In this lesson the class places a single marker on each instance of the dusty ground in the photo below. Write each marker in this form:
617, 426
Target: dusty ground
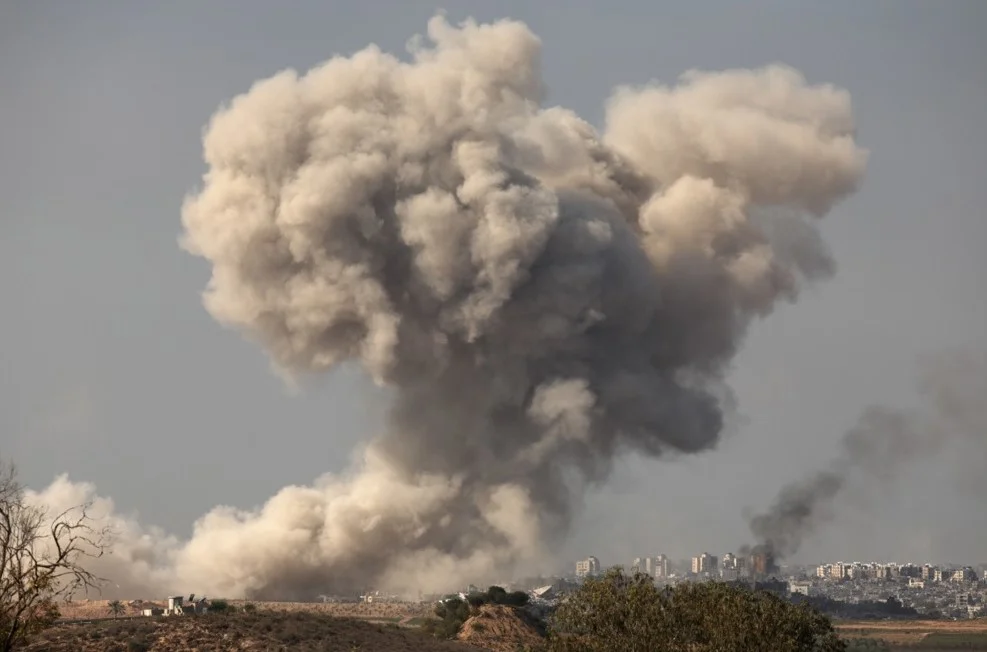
263, 631
909, 632
392, 611
375, 610
501, 629
978, 625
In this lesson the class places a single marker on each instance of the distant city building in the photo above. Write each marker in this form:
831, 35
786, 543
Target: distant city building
588, 567
704, 563
729, 561
661, 567
805, 588
762, 563
910, 570
963, 575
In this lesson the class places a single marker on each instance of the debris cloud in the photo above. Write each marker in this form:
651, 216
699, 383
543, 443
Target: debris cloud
540, 296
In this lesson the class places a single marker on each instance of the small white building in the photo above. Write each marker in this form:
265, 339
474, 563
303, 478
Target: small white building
805, 588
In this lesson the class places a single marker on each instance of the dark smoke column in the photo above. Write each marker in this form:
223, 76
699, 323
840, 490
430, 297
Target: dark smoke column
540, 297
953, 386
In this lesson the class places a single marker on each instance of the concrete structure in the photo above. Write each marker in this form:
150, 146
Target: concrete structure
963, 575
805, 588
661, 567
177, 606
762, 563
588, 567
704, 563
543, 593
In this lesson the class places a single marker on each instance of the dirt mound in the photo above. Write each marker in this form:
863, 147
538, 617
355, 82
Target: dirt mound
500, 628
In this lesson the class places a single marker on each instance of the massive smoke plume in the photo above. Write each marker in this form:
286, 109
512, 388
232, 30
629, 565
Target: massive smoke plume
540, 296
883, 443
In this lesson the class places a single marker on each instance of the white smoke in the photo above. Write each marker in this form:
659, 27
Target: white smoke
540, 296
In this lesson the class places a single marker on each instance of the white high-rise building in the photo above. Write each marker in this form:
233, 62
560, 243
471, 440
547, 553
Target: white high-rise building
644, 565
661, 567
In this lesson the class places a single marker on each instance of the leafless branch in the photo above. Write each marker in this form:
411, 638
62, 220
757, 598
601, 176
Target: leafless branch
42, 559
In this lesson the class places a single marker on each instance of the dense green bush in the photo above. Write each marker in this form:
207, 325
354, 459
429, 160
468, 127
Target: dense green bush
623, 613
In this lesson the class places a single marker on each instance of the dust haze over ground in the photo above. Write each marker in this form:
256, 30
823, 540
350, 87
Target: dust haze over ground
540, 297
884, 442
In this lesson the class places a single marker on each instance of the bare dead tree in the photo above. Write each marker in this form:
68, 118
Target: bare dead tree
42, 560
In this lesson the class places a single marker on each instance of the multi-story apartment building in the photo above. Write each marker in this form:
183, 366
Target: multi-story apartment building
588, 567
704, 563
661, 567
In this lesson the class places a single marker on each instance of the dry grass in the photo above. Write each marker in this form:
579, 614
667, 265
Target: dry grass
977, 625
393, 611
256, 632
908, 633
371, 611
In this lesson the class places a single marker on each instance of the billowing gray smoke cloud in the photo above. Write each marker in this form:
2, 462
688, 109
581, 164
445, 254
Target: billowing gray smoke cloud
882, 443
539, 296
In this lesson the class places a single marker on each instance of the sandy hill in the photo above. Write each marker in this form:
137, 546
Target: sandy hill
501, 628
261, 631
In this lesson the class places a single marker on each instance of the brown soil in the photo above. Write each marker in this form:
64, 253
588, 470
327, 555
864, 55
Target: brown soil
501, 628
261, 631
392, 611
976, 625
907, 632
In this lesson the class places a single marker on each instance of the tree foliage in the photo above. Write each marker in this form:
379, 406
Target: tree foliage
629, 613
116, 608
41, 557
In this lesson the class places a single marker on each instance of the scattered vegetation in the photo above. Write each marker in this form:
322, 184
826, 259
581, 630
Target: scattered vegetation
865, 609
237, 630
452, 612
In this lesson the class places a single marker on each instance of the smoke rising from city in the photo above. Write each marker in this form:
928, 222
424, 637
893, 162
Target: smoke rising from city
540, 297
884, 441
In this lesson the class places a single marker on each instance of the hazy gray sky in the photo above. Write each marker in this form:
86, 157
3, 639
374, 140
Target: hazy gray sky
113, 372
